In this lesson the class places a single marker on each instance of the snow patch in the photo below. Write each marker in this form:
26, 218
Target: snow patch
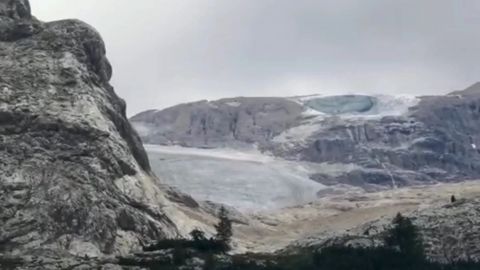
297, 134
219, 153
234, 104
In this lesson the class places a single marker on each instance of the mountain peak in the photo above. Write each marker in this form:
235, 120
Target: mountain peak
473, 88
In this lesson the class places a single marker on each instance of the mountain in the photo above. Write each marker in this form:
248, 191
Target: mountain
77, 190
74, 177
368, 141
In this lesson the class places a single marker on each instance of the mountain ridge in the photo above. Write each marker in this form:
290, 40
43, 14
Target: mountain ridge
393, 140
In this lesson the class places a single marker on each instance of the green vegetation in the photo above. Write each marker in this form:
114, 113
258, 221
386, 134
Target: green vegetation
403, 250
405, 239
199, 244
198, 241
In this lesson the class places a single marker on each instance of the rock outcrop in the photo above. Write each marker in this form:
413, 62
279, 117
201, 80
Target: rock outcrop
450, 232
435, 141
74, 177
226, 122
385, 141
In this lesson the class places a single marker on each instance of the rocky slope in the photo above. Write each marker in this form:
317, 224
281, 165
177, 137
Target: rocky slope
74, 177
378, 141
449, 232
226, 122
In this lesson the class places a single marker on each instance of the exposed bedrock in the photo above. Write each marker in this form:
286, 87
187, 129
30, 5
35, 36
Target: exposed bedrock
436, 140
226, 122
74, 176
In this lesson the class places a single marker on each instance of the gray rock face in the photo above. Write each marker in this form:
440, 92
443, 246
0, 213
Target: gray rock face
391, 141
235, 121
74, 176
162, 259
435, 141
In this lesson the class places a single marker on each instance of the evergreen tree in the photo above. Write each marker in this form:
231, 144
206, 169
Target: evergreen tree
224, 227
404, 236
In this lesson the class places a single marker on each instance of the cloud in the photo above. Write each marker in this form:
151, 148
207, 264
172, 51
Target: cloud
167, 52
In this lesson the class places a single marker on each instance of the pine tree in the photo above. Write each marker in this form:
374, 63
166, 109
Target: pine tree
224, 227
405, 237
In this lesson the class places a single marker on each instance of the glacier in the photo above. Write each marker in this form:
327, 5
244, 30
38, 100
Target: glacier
347, 109
357, 105
211, 149
342, 104
244, 179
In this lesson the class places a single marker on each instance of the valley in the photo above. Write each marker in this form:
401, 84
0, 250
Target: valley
216, 184
278, 204
311, 170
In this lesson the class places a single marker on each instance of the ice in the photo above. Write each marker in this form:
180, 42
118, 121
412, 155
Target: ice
358, 105
249, 181
394, 105
346, 108
342, 104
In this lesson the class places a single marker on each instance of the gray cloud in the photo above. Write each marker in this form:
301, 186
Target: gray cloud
167, 52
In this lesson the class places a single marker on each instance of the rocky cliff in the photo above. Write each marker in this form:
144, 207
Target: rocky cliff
379, 141
74, 177
226, 122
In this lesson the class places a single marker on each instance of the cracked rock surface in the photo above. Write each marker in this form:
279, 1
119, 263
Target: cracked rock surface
74, 176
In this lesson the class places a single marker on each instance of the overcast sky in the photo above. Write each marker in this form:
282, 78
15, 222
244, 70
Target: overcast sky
168, 52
